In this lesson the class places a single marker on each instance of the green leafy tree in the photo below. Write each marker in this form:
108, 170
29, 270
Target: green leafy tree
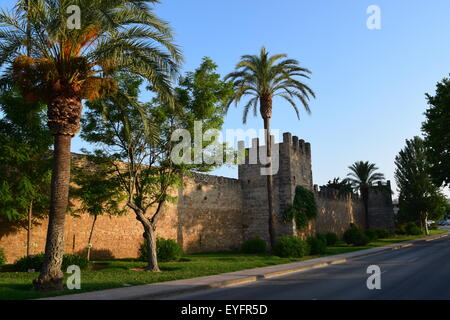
343, 187
139, 153
362, 176
128, 145
24, 162
200, 95
436, 129
264, 77
98, 195
64, 66
419, 198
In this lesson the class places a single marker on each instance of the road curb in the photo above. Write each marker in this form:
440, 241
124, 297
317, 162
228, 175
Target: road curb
438, 237
235, 278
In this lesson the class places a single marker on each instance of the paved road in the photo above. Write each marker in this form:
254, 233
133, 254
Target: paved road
418, 272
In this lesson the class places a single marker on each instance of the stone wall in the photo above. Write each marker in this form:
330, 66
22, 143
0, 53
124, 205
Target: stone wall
217, 214
335, 214
207, 218
113, 237
210, 214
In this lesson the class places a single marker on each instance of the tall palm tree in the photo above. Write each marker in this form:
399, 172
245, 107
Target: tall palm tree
263, 78
362, 176
60, 66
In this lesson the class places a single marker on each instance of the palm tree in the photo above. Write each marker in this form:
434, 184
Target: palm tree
60, 66
362, 176
343, 187
263, 78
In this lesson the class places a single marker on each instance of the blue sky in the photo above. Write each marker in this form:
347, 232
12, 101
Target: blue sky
370, 84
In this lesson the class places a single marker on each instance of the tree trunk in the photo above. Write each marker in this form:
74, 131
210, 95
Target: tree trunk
266, 113
88, 256
149, 236
152, 258
51, 277
30, 213
425, 220
30, 210
272, 234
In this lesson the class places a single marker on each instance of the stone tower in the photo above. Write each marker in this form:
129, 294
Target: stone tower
292, 159
294, 168
381, 208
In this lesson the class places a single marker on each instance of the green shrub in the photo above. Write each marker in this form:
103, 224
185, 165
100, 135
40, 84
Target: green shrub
35, 262
350, 234
409, 228
256, 245
382, 233
331, 238
355, 236
433, 226
2, 257
371, 234
400, 229
361, 240
71, 259
29, 262
322, 238
317, 245
290, 247
413, 229
166, 250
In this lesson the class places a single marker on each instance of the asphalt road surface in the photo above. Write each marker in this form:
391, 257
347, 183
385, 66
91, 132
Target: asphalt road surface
418, 272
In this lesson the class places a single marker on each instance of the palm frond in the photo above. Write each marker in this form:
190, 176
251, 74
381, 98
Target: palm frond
266, 76
116, 35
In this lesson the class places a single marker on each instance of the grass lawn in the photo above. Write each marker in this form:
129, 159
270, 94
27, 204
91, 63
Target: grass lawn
118, 273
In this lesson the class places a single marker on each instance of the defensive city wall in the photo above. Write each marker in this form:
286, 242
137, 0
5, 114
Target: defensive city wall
217, 214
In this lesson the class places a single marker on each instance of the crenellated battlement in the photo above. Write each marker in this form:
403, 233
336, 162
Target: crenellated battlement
382, 187
325, 192
291, 145
298, 145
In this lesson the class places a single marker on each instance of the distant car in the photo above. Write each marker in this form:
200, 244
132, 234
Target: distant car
442, 223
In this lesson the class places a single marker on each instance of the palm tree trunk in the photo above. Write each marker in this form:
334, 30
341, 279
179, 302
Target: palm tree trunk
265, 103
270, 183
51, 277
365, 198
30, 213
88, 256
28, 55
